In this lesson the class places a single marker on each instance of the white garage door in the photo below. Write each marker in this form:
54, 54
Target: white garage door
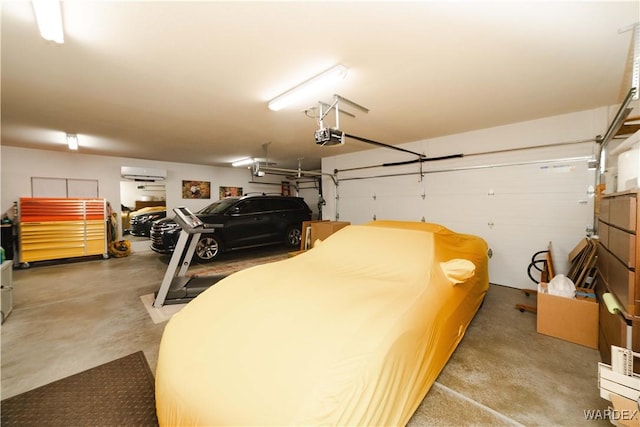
517, 208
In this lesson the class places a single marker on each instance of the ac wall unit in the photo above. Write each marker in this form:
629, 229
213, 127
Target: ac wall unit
143, 174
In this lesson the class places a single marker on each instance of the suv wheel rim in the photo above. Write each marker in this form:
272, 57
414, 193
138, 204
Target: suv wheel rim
207, 248
294, 236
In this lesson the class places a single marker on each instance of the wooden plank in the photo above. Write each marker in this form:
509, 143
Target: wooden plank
551, 270
628, 129
591, 262
579, 263
582, 245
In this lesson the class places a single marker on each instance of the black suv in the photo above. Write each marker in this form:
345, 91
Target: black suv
140, 223
247, 221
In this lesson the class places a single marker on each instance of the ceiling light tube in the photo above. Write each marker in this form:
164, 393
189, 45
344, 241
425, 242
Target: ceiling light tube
242, 162
49, 18
324, 79
72, 141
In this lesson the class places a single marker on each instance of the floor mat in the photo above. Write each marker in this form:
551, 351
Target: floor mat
120, 392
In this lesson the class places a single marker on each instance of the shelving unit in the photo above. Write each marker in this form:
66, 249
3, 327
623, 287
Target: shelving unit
618, 258
56, 228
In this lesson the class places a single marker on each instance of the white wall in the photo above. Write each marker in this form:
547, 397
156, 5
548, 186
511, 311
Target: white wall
527, 199
20, 164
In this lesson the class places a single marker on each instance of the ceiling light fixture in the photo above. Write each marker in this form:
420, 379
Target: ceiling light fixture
324, 79
49, 18
72, 141
242, 162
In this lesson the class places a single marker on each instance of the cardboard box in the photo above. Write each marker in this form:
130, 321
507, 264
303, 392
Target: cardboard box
318, 229
570, 319
324, 229
625, 406
306, 242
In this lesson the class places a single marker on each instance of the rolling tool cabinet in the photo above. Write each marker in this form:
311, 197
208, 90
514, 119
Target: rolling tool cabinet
55, 228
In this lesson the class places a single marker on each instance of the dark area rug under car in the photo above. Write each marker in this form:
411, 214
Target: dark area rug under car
118, 393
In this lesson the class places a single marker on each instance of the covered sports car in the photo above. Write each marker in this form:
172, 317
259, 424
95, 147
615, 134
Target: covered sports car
352, 332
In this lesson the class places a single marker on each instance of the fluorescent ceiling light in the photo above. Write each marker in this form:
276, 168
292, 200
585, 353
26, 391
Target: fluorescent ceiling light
49, 18
72, 141
314, 84
242, 162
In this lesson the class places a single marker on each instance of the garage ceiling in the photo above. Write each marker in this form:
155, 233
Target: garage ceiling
190, 81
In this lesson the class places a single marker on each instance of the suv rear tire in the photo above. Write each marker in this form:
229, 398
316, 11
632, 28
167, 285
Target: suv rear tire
208, 248
293, 236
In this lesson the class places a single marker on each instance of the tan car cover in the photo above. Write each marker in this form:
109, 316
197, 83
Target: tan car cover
352, 332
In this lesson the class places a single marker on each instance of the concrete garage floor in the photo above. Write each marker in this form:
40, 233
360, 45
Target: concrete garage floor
70, 317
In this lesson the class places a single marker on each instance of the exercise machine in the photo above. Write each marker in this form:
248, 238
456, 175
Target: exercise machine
176, 286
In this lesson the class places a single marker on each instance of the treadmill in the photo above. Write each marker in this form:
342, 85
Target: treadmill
176, 287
